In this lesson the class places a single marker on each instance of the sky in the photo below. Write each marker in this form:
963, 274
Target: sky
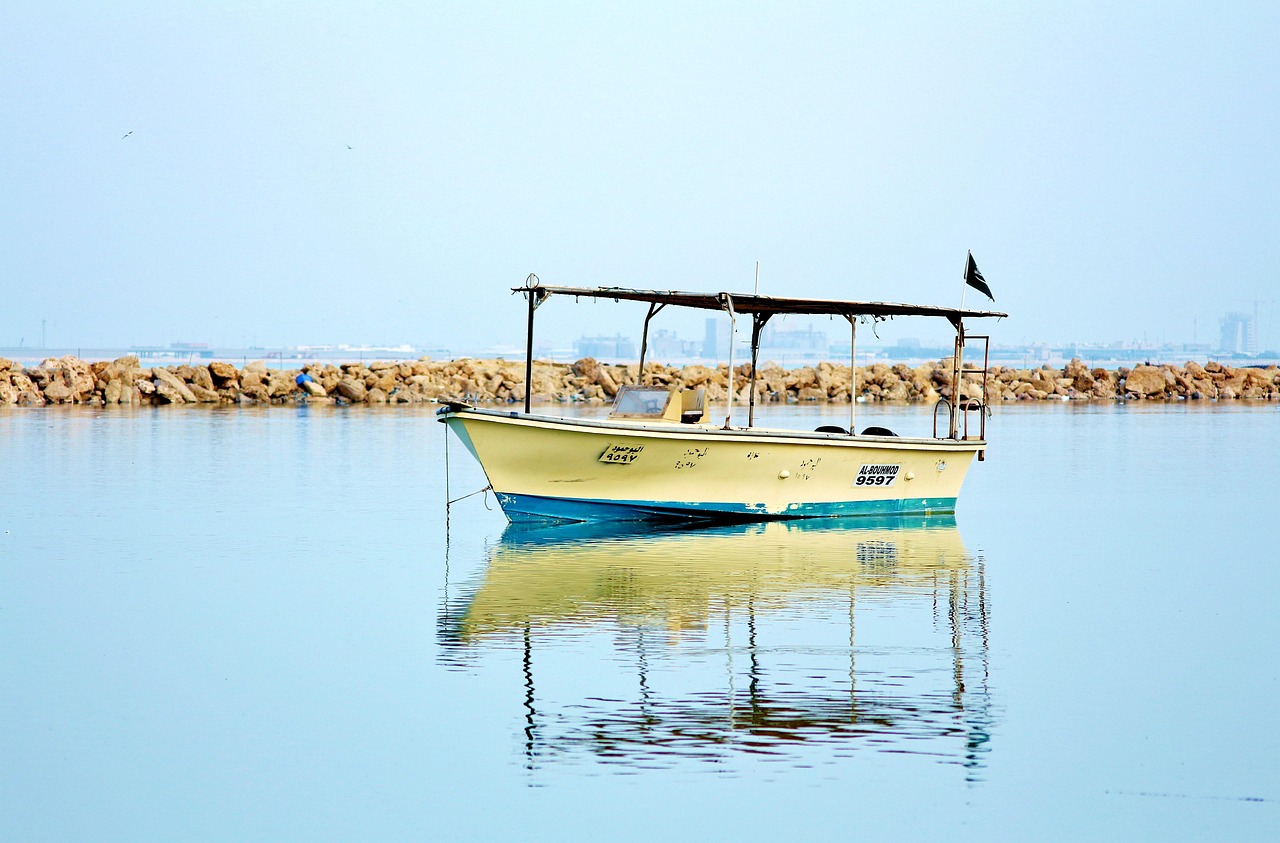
272, 173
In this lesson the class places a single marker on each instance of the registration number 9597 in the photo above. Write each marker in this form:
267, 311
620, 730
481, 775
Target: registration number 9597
877, 475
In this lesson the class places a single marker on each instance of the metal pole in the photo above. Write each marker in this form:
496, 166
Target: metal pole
757, 322
853, 371
644, 340
733, 318
955, 378
528, 355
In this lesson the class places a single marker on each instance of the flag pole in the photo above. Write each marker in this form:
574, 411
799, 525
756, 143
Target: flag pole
957, 360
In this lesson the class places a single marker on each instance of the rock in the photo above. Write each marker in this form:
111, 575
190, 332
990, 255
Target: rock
353, 390
57, 393
200, 376
259, 366
896, 391
113, 391
204, 394
1146, 380
607, 383
223, 373
257, 392
375, 396
691, 376
281, 384
170, 394
162, 375
587, 368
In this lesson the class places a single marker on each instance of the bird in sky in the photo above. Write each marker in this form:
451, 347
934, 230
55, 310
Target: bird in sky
126, 134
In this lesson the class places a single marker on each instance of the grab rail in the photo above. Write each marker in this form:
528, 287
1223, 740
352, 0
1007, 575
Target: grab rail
964, 406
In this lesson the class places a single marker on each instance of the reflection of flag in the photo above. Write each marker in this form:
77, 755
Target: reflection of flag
974, 278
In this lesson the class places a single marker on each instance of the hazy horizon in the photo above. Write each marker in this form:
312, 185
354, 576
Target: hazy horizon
245, 175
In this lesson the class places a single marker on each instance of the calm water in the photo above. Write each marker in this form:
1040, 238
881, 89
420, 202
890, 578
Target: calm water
254, 625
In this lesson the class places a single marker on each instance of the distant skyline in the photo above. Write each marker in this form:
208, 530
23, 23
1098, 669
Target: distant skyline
267, 174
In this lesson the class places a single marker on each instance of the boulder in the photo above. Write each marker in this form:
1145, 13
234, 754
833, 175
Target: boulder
200, 377
256, 391
1146, 380
607, 383
223, 373
162, 375
280, 384
57, 393
353, 390
204, 394
691, 376
170, 394
587, 368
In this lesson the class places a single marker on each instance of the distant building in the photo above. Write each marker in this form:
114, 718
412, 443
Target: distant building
1239, 334
711, 339
606, 348
803, 343
665, 346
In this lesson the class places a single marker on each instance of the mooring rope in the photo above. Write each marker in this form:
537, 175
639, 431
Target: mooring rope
472, 494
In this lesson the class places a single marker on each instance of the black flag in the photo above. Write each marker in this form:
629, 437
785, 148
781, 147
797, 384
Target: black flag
974, 278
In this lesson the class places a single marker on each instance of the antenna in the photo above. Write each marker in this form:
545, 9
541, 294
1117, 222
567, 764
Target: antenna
757, 278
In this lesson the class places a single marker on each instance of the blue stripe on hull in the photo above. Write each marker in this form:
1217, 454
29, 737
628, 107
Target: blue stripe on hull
526, 508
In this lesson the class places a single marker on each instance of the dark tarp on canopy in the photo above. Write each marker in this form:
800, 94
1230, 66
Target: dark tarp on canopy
763, 305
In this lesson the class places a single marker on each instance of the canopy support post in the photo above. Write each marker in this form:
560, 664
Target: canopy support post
536, 297
654, 307
757, 323
853, 370
957, 372
733, 318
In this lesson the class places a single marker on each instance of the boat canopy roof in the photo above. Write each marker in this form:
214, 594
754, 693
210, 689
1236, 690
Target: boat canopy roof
763, 305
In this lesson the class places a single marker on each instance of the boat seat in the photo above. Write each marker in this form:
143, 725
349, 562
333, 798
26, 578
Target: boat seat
693, 406
830, 428
878, 431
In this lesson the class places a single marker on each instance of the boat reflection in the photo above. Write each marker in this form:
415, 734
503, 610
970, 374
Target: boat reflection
658, 646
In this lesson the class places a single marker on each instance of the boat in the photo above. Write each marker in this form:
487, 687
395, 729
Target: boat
663, 454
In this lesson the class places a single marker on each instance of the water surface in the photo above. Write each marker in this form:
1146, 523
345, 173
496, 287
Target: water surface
254, 624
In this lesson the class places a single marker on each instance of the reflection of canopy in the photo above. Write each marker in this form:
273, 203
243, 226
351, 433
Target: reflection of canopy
580, 573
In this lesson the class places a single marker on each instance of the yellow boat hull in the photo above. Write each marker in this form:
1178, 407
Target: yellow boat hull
546, 468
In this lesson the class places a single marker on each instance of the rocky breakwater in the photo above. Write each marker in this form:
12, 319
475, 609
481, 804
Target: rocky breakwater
69, 380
